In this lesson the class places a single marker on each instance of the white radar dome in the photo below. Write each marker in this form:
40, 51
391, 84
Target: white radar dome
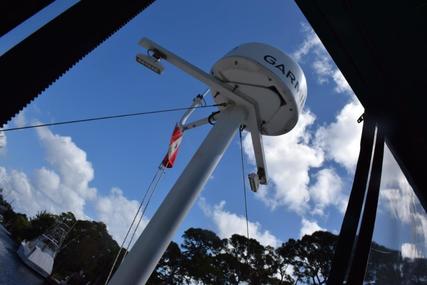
273, 81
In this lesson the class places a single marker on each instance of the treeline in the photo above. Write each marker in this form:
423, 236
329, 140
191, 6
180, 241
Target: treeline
202, 257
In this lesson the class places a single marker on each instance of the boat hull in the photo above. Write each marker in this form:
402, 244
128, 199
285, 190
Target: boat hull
36, 259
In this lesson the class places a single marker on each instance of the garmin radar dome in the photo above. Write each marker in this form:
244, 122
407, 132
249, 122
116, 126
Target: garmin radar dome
270, 78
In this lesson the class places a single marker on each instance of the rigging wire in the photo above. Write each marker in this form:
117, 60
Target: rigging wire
243, 180
110, 117
143, 212
133, 222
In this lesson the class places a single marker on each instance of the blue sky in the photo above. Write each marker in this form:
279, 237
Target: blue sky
99, 170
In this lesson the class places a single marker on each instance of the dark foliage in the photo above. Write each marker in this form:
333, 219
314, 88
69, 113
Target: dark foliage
88, 253
206, 259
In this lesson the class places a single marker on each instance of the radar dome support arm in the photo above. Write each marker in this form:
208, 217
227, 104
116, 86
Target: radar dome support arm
211, 119
254, 121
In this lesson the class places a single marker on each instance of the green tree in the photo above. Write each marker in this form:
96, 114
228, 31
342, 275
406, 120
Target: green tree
89, 249
384, 266
259, 262
313, 257
88, 253
414, 271
19, 226
285, 260
230, 266
40, 224
200, 250
237, 248
169, 269
251, 261
67, 218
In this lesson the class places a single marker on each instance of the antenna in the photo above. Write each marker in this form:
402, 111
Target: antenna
255, 85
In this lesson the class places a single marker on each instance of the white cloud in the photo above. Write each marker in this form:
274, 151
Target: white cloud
18, 190
322, 63
310, 43
341, 83
117, 212
70, 161
399, 199
289, 158
3, 142
19, 121
293, 157
341, 139
229, 223
300, 182
410, 250
393, 178
327, 191
309, 227
64, 185
399, 203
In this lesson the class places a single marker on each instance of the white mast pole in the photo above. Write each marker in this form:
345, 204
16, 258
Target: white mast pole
148, 249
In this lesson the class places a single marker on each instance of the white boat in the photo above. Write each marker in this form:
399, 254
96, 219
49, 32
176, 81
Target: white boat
39, 254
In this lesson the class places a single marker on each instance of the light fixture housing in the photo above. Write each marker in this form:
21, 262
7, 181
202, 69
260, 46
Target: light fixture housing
150, 62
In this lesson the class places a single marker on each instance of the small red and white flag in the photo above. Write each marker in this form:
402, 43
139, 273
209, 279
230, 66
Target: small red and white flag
175, 141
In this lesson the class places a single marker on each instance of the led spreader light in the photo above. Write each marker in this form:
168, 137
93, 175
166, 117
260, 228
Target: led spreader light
150, 62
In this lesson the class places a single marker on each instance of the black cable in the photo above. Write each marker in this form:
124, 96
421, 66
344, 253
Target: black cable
244, 182
108, 117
